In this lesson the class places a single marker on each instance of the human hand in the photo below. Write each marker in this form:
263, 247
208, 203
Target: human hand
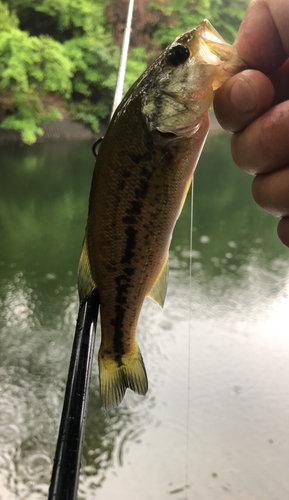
254, 105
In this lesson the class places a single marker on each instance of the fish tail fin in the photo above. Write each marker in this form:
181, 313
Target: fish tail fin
119, 373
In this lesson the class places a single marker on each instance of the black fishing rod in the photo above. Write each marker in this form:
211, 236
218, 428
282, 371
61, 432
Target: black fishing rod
67, 461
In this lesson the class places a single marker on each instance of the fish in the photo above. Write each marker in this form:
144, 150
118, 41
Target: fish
142, 174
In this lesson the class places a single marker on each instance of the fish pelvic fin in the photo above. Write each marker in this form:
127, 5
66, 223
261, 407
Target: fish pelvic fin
121, 373
85, 280
159, 289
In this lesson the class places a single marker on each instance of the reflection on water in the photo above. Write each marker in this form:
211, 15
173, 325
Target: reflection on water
214, 422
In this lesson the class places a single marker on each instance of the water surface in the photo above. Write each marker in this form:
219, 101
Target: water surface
214, 423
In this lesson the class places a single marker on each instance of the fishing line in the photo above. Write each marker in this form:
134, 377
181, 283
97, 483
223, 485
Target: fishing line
123, 59
189, 340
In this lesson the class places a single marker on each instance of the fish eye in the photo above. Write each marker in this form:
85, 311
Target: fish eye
178, 54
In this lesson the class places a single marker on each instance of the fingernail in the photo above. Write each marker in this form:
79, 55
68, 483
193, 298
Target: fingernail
243, 96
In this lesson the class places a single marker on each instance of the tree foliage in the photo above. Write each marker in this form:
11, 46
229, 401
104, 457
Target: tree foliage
31, 68
62, 56
225, 15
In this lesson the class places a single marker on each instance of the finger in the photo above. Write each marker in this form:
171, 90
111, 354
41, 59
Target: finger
280, 80
262, 40
271, 190
283, 230
263, 145
242, 99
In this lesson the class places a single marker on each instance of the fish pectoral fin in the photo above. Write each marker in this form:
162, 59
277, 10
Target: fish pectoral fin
159, 289
85, 281
118, 374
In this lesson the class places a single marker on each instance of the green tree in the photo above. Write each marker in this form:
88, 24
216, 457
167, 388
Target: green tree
81, 27
31, 69
64, 54
225, 15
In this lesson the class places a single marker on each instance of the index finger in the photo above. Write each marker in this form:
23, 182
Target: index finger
263, 40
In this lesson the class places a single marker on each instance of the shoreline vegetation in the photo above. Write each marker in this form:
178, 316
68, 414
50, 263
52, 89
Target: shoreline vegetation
59, 60
70, 130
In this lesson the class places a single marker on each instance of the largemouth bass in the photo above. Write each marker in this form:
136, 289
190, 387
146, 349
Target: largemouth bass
142, 174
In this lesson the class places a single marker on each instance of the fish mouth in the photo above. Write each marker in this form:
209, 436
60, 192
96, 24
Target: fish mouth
170, 132
212, 48
162, 139
166, 135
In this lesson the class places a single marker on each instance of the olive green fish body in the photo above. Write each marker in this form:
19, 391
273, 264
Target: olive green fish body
144, 168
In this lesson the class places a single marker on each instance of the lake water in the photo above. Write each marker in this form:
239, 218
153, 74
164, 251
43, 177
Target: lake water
214, 424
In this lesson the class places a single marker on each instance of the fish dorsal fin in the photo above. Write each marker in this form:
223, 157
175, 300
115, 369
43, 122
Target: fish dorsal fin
85, 281
159, 289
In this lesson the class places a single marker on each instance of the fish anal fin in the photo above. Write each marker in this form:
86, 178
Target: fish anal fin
85, 281
159, 289
117, 375
186, 192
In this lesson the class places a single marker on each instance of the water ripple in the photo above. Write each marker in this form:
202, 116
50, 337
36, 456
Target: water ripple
29, 419
9, 434
8, 411
36, 467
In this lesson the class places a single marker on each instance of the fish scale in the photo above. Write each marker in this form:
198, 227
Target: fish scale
142, 174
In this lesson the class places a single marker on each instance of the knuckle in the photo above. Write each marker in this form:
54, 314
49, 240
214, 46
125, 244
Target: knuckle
273, 137
268, 137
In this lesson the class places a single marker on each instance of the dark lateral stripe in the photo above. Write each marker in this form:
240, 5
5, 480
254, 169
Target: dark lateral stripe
117, 323
129, 271
129, 219
123, 282
130, 244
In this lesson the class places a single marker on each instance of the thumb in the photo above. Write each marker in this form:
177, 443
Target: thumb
243, 98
